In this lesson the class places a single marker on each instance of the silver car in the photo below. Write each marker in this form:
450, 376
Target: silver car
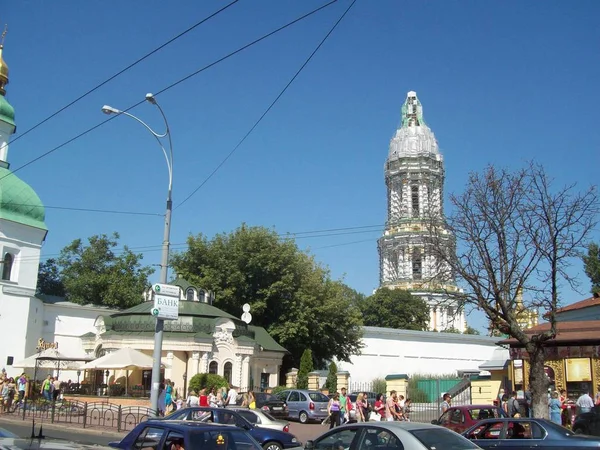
305, 405
390, 436
263, 419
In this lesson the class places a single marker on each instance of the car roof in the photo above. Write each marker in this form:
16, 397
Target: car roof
183, 424
403, 425
309, 391
512, 419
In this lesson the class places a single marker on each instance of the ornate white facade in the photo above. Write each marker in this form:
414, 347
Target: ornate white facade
414, 176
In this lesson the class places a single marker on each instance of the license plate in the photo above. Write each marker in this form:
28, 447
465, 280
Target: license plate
277, 408
323, 409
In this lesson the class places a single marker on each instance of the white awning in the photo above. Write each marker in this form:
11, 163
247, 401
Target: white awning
51, 358
124, 359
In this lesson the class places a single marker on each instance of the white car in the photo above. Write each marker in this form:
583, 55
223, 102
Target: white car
390, 435
263, 419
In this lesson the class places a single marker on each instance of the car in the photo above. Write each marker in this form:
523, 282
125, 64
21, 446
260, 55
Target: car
269, 403
45, 444
525, 434
588, 422
463, 417
262, 419
269, 439
4, 433
390, 436
305, 405
163, 434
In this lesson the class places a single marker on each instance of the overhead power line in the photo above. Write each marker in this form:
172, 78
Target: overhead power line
313, 234
253, 127
245, 47
68, 208
122, 71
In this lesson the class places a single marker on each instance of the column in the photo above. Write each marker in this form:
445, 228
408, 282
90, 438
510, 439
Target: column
203, 365
246, 375
194, 366
290, 378
343, 377
236, 376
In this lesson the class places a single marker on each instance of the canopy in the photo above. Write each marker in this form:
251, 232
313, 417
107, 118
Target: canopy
51, 358
124, 359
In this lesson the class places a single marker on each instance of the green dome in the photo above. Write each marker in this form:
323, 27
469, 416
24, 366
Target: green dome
7, 112
18, 201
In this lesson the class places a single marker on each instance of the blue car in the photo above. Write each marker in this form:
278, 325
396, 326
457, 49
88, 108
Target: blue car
268, 438
162, 434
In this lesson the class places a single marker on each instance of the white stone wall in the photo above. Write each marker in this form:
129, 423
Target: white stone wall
388, 351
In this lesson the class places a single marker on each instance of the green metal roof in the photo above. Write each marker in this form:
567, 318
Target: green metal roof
7, 112
186, 308
265, 340
18, 201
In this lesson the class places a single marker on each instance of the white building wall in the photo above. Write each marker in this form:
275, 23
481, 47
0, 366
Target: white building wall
389, 351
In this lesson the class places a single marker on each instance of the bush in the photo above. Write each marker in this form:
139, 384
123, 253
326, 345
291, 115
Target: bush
331, 382
207, 380
277, 389
379, 386
306, 367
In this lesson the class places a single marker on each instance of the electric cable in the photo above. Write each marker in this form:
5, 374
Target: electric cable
238, 145
89, 130
120, 72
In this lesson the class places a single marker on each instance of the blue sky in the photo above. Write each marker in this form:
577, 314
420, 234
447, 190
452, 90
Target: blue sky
500, 83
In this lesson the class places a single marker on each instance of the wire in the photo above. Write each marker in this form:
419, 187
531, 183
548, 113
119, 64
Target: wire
89, 130
136, 62
342, 244
238, 145
68, 208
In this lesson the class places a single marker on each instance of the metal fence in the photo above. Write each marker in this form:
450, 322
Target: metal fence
426, 396
85, 414
366, 386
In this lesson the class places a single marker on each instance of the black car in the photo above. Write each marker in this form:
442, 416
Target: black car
588, 422
162, 434
268, 403
526, 434
269, 438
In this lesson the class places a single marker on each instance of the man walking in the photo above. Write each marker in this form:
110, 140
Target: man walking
344, 415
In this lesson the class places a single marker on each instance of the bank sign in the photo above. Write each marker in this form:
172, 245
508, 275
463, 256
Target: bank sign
166, 302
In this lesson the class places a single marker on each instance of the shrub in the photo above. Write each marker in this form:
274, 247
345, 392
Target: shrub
379, 386
306, 367
331, 382
277, 389
206, 380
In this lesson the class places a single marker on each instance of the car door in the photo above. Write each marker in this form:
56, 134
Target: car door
456, 421
294, 405
337, 439
149, 438
487, 435
522, 435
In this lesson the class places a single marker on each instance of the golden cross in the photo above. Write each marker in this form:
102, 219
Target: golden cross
4, 34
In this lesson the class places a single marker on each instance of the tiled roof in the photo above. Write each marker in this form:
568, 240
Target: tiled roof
572, 331
592, 301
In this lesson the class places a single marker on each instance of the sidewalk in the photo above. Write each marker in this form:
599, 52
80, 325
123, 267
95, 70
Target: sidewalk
74, 428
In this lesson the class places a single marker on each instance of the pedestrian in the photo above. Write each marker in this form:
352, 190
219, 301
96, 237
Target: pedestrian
446, 400
555, 409
334, 409
585, 402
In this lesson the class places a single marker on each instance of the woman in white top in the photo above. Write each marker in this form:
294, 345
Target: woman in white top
212, 399
192, 399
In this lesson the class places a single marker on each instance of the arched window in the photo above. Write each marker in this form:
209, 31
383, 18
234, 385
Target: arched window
202, 295
213, 367
417, 264
227, 370
415, 200
189, 295
7, 265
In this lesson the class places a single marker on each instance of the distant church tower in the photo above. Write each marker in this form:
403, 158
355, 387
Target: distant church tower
414, 175
22, 232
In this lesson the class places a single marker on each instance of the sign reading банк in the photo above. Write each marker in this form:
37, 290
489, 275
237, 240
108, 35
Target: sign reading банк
166, 302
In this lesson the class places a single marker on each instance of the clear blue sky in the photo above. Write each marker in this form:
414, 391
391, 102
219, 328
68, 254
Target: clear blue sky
500, 82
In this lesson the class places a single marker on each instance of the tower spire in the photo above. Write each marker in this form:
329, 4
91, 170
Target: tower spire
3, 65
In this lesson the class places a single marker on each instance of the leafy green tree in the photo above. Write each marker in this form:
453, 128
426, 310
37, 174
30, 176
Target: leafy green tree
379, 385
471, 330
395, 308
95, 274
306, 367
451, 330
49, 280
291, 295
331, 381
208, 381
591, 263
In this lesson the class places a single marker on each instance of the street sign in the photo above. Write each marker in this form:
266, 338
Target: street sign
166, 302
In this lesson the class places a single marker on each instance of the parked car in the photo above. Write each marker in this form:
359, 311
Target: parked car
390, 436
460, 418
588, 422
46, 444
263, 419
526, 434
270, 439
305, 405
371, 396
4, 433
162, 434
267, 402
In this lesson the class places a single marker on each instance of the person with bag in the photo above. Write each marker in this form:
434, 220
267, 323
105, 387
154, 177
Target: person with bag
334, 409
513, 405
378, 409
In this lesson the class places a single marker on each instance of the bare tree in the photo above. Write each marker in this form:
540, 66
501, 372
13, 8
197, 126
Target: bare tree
515, 232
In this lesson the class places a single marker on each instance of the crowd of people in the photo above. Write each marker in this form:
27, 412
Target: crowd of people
214, 397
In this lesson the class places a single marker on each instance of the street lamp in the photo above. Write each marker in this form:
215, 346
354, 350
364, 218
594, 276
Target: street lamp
164, 263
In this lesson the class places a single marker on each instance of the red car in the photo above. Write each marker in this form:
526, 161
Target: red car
460, 418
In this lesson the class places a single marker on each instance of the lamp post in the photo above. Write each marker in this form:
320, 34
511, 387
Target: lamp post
184, 383
164, 263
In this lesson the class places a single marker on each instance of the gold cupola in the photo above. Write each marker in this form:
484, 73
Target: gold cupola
3, 65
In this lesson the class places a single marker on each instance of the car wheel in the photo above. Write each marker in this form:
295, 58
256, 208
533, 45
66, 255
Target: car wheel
303, 417
272, 446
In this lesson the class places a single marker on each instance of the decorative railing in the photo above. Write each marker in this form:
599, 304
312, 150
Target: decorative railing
86, 414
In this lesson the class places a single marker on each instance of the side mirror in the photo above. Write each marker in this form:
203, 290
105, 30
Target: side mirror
435, 422
309, 445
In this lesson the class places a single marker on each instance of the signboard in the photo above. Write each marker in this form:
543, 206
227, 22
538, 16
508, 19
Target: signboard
578, 369
166, 302
43, 345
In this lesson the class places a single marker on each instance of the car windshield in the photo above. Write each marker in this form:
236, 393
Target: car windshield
558, 428
442, 438
267, 398
318, 397
179, 414
223, 440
